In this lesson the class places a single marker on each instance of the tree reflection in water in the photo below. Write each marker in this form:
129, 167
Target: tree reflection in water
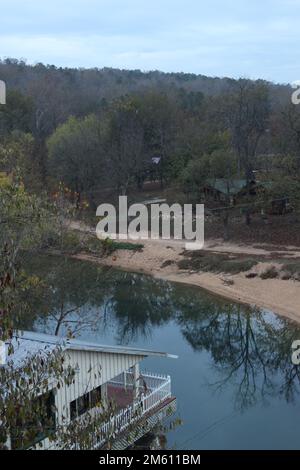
70, 298
250, 349
139, 303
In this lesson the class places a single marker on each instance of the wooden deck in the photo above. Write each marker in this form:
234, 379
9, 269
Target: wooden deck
119, 397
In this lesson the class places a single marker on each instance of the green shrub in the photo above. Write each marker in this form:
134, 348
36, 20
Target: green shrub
127, 246
270, 273
167, 263
251, 275
108, 246
219, 263
292, 269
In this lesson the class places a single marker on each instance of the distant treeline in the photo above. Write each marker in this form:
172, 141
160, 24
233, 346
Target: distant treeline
90, 128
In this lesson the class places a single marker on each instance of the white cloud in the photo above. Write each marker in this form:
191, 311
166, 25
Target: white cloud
219, 37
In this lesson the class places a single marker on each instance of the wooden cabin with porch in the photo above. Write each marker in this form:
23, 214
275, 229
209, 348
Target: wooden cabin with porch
238, 191
220, 189
103, 374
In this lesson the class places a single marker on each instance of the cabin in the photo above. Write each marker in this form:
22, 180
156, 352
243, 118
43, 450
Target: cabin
103, 375
219, 189
280, 206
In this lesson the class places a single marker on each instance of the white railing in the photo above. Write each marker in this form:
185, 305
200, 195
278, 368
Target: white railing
158, 390
145, 382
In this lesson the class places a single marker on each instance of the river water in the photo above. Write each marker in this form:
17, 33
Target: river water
234, 381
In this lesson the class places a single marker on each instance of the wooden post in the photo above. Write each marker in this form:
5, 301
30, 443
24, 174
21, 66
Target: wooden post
136, 382
104, 396
125, 380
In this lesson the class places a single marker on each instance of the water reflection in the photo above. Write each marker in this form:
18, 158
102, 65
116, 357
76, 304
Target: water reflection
249, 350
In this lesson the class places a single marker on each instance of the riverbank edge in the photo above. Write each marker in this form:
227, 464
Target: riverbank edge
215, 284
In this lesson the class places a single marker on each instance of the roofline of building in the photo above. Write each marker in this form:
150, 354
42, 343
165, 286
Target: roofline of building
78, 345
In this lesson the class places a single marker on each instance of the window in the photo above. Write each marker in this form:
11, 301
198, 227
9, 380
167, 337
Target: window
95, 397
79, 406
85, 402
73, 409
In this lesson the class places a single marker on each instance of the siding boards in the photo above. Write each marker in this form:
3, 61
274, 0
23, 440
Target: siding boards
95, 368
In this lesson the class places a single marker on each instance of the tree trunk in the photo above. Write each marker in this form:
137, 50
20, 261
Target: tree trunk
225, 225
248, 217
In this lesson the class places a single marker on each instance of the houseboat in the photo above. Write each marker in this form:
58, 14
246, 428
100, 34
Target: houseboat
102, 375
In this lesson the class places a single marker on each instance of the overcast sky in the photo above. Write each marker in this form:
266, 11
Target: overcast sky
249, 38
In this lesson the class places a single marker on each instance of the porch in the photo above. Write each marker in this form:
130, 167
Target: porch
140, 401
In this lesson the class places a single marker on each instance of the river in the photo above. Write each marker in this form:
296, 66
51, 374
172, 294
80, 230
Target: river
234, 381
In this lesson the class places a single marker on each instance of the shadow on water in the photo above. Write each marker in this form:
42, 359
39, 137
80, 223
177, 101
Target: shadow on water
228, 352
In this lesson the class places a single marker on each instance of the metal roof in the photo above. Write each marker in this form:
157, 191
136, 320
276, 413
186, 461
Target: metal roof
29, 343
225, 186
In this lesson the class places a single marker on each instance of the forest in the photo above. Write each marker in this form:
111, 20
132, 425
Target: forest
115, 121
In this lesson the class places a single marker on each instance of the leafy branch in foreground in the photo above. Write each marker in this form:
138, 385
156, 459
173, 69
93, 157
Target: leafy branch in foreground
24, 415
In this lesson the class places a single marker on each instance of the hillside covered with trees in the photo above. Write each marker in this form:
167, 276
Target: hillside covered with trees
108, 131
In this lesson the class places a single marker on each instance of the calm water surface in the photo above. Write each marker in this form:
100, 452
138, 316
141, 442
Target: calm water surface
235, 385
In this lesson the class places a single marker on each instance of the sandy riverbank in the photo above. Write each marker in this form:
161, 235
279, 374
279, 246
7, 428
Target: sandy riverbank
159, 259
